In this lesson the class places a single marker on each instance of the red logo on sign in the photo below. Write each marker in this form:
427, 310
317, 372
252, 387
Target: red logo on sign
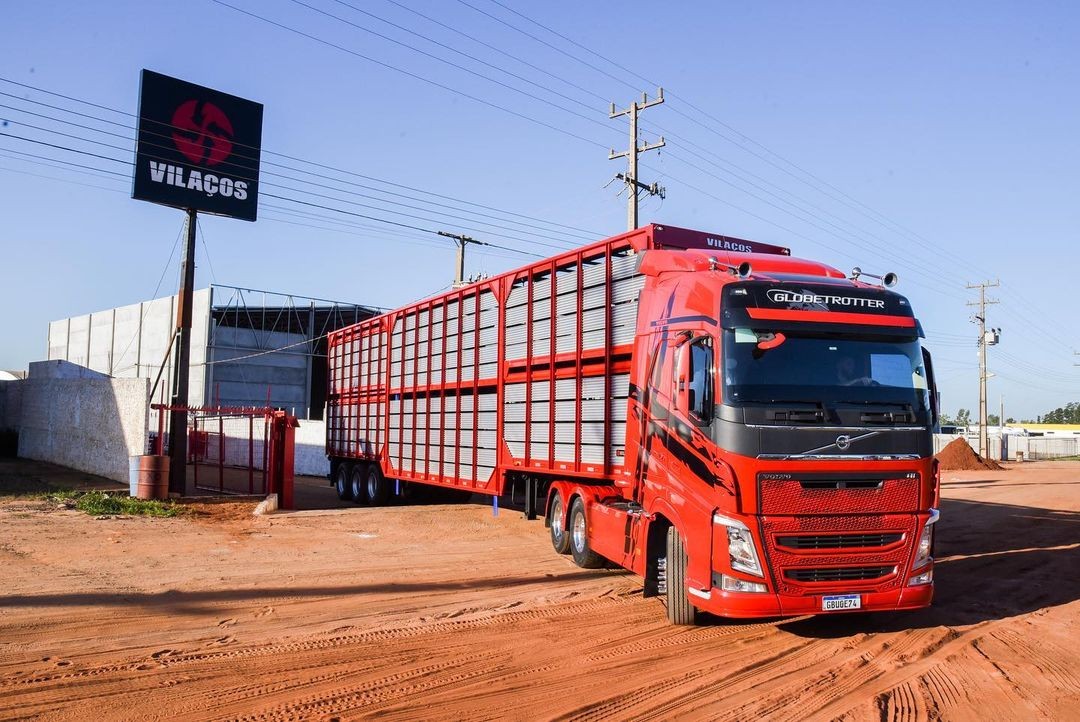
202, 132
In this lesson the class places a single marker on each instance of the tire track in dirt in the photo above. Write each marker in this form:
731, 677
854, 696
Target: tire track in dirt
407, 684
170, 658
46, 686
1046, 666
676, 638
641, 702
837, 677
954, 650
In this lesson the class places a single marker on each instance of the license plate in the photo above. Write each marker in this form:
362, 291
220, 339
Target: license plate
841, 601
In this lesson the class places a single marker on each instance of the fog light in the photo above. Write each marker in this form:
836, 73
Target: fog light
919, 579
731, 584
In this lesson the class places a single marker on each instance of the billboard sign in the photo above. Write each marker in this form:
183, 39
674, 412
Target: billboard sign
198, 148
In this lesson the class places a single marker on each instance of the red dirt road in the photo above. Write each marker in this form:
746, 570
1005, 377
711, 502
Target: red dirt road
444, 612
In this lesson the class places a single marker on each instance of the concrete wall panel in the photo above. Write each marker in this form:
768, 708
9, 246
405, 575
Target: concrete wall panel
92, 425
10, 403
58, 339
78, 340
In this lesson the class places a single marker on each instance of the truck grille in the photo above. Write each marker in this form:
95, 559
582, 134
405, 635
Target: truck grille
838, 541
838, 574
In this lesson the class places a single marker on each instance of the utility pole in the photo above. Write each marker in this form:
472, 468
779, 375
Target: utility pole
631, 177
178, 417
985, 338
461, 241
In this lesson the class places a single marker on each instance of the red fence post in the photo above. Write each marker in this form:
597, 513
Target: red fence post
221, 452
251, 454
195, 465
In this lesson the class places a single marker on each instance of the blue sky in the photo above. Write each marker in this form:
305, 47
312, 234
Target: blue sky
935, 140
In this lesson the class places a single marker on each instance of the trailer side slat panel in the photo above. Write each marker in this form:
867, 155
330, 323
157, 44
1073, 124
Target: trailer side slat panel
440, 391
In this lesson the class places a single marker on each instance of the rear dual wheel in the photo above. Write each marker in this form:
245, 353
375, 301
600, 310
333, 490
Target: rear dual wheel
560, 537
356, 483
583, 554
342, 483
376, 487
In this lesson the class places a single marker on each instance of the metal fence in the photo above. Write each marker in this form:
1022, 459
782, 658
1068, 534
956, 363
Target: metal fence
1012, 447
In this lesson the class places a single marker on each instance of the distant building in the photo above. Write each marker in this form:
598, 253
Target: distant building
248, 348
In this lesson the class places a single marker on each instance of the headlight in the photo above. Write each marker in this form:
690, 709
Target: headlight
741, 551
926, 541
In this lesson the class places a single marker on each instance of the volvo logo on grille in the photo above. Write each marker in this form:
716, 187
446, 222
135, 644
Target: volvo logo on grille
843, 442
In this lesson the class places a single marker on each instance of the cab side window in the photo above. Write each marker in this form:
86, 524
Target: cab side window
701, 382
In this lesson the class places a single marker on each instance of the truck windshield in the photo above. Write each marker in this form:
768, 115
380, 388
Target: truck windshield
762, 366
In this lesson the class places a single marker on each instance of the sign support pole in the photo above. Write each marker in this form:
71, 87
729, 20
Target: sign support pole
178, 418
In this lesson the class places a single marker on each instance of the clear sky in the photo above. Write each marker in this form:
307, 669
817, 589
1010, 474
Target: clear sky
937, 140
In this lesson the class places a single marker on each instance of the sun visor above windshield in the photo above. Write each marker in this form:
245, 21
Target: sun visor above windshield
768, 304
674, 238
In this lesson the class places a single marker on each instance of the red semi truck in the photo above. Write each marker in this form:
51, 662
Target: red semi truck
747, 431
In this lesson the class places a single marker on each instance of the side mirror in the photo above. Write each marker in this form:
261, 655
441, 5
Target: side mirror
935, 398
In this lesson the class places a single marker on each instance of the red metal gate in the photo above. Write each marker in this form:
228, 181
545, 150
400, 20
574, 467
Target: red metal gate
235, 450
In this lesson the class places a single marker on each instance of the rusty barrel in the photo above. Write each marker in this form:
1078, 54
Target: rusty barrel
148, 476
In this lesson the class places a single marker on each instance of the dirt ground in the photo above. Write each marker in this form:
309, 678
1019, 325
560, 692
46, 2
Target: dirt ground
446, 612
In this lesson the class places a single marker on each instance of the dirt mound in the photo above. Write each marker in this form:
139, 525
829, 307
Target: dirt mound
959, 456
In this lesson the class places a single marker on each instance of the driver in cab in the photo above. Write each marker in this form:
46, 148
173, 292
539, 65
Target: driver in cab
848, 373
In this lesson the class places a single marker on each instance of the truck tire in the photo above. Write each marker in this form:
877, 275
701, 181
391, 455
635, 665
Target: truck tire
560, 538
341, 481
679, 609
356, 483
377, 488
583, 555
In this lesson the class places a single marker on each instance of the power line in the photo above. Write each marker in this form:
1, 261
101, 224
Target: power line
455, 65
415, 76
858, 206
284, 198
486, 224
922, 271
589, 233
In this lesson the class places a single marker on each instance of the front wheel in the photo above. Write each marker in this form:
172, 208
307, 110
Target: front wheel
583, 554
679, 609
560, 539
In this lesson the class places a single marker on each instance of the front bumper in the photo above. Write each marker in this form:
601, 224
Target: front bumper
742, 605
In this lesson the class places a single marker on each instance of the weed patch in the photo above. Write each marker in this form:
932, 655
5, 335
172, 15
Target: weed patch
99, 503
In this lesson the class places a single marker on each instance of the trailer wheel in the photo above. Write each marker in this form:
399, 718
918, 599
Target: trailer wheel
679, 609
356, 483
341, 481
377, 488
584, 557
560, 539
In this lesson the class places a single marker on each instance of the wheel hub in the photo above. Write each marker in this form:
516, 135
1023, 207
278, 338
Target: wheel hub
579, 532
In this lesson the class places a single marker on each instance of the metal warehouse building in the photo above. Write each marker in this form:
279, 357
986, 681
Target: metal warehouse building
248, 347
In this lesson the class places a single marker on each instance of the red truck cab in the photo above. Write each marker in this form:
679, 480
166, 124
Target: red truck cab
779, 444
